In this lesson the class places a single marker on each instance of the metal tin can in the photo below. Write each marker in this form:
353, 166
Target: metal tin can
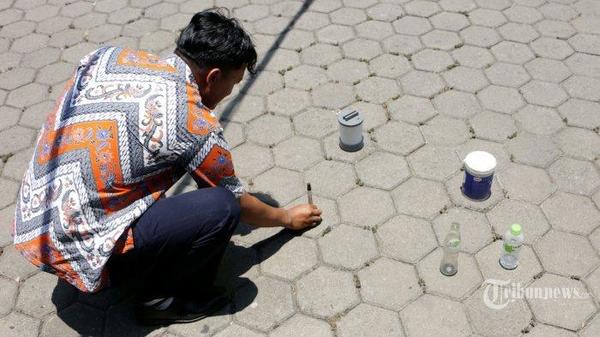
350, 123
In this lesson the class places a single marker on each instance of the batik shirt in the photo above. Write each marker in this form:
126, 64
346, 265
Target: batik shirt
128, 126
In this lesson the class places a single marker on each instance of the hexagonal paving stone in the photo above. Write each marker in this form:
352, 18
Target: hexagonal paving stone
14, 266
379, 202
338, 247
471, 56
449, 21
383, 170
305, 325
506, 74
422, 8
348, 16
27, 95
55, 297
387, 137
335, 34
17, 164
316, 122
488, 258
576, 257
8, 294
555, 28
288, 257
432, 60
297, 39
434, 162
9, 189
454, 184
435, 316
419, 197
297, 153
533, 150
305, 77
378, 90
527, 215
567, 312
325, 292
517, 32
331, 178
551, 48
411, 109
75, 320
412, 25
422, 83
251, 160
546, 330
493, 126
571, 213
406, 238
387, 65
592, 329
445, 131
465, 79
543, 93
498, 317
579, 143
389, 283
374, 115
548, 70
580, 113
402, 44
512, 52
10, 117
333, 95
583, 87
523, 14
501, 99
272, 304
487, 17
320, 54
440, 39
475, 229
575, 176
480, 36
458, 286
272, 180
15, 78
538, 120
583, 64
367, 320
18, 325
526, 183
457, 104
361, 49
374, 30
348, 71
385, 12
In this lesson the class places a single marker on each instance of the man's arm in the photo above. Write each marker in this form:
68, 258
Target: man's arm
259, 214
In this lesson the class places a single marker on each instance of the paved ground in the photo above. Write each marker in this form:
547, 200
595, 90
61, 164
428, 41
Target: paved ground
435, 80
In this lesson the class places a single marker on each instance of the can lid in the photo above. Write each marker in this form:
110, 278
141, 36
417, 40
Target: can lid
350, 117
480, 162
515, 229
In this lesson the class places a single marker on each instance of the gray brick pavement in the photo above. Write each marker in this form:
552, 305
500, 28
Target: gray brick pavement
435, 80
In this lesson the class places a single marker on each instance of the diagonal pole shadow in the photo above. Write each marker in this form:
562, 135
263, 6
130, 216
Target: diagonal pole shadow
227, 111
229, 108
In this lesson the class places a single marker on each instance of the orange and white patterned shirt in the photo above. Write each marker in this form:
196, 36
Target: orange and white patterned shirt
129, 125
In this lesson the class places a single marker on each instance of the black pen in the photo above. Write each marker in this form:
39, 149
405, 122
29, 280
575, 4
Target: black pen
309, 193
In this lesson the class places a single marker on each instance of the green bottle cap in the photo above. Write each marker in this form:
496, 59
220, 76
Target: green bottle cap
515, 229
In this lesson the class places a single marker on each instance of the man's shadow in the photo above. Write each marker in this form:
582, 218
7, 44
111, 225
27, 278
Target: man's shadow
110, 311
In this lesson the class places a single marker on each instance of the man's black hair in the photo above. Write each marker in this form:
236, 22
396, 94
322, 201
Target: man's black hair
212, 39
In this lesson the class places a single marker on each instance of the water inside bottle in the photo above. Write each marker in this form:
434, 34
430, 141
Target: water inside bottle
448, 269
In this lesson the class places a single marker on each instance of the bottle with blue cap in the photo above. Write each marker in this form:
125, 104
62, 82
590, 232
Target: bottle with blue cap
512, 243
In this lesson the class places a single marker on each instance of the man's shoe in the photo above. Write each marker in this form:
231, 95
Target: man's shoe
178, 310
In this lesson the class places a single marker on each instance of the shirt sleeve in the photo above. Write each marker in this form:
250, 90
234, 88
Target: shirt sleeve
213, 164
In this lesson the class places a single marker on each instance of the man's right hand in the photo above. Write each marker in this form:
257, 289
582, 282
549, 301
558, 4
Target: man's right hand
303, 216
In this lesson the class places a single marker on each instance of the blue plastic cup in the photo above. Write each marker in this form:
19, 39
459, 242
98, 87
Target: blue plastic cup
479, 175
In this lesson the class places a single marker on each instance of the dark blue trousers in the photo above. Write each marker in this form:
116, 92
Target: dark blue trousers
179, 243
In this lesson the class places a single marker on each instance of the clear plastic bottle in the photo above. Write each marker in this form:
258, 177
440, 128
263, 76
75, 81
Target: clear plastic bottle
512, 242
449, 264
